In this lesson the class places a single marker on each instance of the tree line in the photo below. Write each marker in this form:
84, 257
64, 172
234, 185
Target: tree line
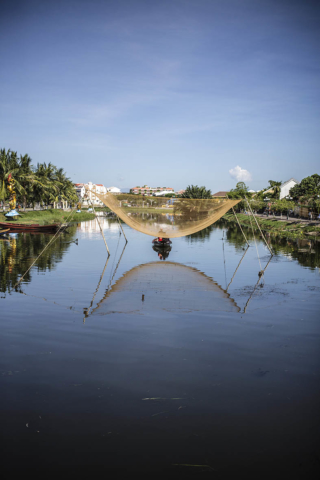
307, 193
43, 183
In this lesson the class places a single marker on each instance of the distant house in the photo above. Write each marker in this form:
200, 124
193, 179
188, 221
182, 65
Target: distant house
113, 190
286, 187
220, 194
80, 190
84, 195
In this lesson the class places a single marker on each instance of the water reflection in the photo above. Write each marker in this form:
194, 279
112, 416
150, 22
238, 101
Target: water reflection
18, 252
172, 287
202, 235
306, 251
163, 252
91, 227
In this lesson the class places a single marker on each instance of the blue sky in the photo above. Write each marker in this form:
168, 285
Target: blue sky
163, 92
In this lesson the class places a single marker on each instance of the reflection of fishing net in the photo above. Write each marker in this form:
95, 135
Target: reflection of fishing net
166, 217
157, 282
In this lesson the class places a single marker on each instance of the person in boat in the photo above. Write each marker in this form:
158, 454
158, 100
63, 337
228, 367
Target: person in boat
162, 240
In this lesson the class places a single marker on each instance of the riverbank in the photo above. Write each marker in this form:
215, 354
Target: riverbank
278, 227
46, 217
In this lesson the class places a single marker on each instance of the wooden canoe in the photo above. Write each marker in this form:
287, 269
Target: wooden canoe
29, 227
2, 232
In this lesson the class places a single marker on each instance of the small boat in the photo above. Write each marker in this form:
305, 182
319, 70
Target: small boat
161, 242
29, 227
3, 232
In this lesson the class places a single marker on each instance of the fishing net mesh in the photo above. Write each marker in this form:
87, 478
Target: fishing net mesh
166, 217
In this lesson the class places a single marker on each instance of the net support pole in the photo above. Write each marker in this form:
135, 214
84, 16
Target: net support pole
122, 229
105, 242
48, 244
234, 213
261, 274
237, 267
258, 226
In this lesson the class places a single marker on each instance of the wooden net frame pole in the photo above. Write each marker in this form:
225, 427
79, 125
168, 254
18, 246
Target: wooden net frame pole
258, 226
237, 268
234, 213
122, 229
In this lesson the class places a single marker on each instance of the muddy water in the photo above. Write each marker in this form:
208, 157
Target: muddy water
185, 361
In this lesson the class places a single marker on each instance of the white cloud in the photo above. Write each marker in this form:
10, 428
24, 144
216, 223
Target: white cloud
240, 174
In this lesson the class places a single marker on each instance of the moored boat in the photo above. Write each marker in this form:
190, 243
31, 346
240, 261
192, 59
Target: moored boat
29, 227
161, 242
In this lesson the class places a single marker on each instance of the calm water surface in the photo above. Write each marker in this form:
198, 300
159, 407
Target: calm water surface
148, 364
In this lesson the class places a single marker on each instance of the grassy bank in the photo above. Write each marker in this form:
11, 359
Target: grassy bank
45, 217
275, 227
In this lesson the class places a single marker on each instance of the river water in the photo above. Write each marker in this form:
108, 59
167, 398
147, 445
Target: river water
180, 362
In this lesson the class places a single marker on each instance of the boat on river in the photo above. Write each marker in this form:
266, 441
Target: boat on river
30, 227
162, 242
3, 232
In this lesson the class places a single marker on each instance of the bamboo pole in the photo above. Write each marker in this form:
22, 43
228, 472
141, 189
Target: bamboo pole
122, 229
237, 267
258, 226
234, 213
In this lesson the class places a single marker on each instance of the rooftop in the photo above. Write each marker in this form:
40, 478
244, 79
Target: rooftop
221, 193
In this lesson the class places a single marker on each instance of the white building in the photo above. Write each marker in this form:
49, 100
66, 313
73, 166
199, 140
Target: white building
80, 190
113, 190
161, 194
286, 186
86, 197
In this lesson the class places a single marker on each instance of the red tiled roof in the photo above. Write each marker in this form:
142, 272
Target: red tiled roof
220, 194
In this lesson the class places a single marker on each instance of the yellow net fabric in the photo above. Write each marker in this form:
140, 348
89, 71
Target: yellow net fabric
166, 217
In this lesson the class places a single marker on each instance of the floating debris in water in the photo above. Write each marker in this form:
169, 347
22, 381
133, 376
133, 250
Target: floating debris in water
261, 373
161, 398
206, 467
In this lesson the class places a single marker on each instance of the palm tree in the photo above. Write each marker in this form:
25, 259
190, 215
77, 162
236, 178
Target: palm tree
66, 190
193, 191
25, 176
46, 186
9, 164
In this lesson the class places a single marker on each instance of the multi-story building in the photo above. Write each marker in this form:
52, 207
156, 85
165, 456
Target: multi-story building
80, 190
86, 197
145, 190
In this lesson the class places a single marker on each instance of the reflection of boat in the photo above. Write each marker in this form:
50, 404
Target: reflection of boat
163, 252
25, 227
3, 232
